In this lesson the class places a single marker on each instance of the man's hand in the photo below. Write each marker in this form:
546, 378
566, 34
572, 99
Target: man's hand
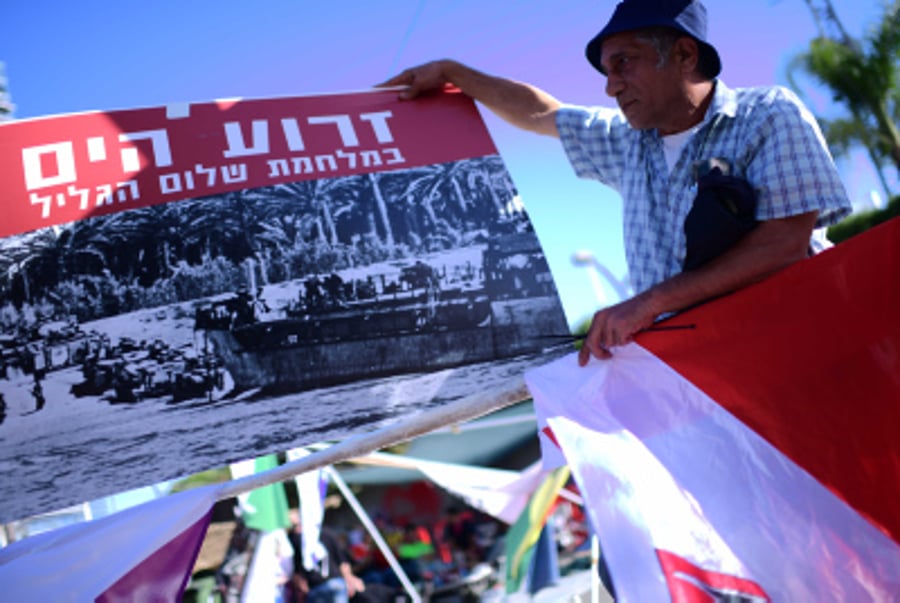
766, 249
420, 80
616, 325
300, 583
353, 582
522, 105
355, 585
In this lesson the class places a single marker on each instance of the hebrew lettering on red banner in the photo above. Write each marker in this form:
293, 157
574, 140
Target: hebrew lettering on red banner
74, 166
186, 286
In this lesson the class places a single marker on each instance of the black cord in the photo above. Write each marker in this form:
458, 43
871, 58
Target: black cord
648, 329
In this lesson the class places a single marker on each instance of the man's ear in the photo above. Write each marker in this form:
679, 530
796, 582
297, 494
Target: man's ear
686, 53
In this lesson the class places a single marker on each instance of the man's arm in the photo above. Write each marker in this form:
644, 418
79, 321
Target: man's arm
354, 583
522, 105
771, 246
300, 583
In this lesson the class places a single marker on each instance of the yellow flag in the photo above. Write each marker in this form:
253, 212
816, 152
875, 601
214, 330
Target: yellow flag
524, 534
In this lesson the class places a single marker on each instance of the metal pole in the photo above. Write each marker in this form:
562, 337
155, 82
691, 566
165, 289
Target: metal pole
595, 569
360, 445
376, 535
9, 534
585, 257
599, 293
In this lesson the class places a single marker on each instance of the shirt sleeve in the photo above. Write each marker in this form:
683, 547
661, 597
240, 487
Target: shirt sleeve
595, 141
791, 167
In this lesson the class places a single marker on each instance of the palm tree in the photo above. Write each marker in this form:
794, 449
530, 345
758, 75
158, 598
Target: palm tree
381, 206
843, 134
160, 231
6, 105
32, 258
434, 185
864, 78
420, 187
89, 246
227, 223
321, 200
492, 172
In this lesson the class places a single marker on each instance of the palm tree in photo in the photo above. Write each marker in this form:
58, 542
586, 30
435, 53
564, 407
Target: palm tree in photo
429, 189
32, 258
381, 207
89, 247
421, 192
492, 173
445, 183
316, 200
157, 232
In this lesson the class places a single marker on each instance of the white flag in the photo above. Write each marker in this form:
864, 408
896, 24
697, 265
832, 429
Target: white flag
311, 488
753, 456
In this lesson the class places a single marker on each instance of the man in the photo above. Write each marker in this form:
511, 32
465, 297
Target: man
673, 113
332, 580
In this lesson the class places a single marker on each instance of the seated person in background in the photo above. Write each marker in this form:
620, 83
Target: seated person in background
415, 545
331, 580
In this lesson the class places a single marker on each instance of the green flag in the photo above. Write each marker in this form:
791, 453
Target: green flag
265, 508
524, 534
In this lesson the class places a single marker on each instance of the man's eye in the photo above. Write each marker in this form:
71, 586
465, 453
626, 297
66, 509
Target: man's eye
621, 63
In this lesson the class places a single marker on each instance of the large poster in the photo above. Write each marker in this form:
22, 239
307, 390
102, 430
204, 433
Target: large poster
186, 286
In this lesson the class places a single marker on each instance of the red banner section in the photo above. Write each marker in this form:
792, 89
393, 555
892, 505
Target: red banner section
823, 391
64, 168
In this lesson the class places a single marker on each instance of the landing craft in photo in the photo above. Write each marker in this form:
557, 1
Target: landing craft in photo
424, 320
188, 286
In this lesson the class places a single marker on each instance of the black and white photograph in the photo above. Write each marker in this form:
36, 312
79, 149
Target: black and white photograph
183, 336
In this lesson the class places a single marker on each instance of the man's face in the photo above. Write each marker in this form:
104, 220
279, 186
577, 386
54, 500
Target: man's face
645, 91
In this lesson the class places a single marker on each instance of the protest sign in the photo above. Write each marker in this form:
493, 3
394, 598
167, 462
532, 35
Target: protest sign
183, 287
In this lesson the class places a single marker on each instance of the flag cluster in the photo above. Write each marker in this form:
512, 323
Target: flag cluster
754, 456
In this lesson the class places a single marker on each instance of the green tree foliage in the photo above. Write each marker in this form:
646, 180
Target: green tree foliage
862, 77
6, 104
219, 475
862, 221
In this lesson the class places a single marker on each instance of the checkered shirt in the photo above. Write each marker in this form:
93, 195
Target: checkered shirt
766, 134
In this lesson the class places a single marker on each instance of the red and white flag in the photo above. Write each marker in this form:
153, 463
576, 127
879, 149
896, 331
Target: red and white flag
754, 455
145, 553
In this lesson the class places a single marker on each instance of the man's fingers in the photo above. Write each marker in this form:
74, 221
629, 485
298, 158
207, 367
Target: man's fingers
611, 338
612, 327
418, 81
584, 354
404, 78
597, 351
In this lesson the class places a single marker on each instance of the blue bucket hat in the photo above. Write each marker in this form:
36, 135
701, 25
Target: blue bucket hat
686, 16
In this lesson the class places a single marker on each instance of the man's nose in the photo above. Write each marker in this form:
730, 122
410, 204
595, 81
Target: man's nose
614, 85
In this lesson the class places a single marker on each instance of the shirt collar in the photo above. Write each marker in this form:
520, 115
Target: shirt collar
724, 102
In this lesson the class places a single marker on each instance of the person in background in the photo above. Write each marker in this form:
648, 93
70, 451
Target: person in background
331, 580
459, 534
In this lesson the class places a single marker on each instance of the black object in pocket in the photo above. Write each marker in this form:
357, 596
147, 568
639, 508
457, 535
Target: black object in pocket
724, 211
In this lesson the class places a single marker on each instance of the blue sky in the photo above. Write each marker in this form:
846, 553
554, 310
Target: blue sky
103, 54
